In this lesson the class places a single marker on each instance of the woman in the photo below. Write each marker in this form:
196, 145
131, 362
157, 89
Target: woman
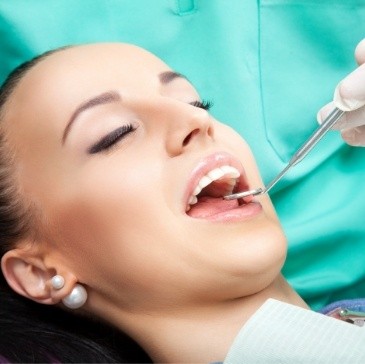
112, 178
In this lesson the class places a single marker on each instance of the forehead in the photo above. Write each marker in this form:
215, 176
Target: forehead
87, 69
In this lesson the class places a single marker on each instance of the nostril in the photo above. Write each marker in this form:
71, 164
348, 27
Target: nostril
189, 136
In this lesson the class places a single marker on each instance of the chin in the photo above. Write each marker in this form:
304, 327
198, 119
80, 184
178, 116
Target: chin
257, 254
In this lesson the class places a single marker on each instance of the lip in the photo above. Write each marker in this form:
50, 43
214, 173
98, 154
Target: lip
237, 214
207, 164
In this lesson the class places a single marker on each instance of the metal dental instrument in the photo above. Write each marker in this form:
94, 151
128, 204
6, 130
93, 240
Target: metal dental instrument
327, 124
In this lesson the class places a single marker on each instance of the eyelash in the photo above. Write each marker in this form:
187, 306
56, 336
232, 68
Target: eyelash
114, 137
204, 104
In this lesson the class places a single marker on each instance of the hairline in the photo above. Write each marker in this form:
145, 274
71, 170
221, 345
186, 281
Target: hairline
24, 216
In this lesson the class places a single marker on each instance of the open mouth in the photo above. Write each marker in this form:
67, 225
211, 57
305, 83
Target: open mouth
206, 200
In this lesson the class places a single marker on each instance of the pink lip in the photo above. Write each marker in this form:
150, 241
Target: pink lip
210, 162
238, 213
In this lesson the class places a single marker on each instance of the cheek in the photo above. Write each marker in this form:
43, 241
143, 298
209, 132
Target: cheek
110, 223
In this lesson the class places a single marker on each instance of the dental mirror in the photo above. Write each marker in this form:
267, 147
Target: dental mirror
257, 191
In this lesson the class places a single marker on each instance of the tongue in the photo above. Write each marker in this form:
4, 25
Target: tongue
209, 206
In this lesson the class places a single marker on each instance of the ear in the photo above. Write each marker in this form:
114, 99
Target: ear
26, 274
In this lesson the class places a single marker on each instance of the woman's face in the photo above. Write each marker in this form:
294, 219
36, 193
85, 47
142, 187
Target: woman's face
111, 146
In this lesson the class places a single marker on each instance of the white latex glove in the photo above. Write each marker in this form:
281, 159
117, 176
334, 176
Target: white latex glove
350, 96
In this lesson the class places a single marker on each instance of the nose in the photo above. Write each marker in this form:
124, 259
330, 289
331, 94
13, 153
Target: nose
187, 127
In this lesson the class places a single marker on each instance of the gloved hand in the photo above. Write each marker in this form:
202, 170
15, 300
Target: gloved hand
350, 96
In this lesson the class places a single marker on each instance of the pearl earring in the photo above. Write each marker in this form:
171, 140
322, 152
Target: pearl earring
76, 298
57, 282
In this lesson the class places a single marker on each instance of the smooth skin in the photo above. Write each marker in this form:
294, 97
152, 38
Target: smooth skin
115, 220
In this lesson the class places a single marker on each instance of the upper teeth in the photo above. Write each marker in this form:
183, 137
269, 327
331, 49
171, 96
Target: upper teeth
229, 172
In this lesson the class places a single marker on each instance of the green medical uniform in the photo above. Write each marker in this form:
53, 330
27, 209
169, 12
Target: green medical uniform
268, 66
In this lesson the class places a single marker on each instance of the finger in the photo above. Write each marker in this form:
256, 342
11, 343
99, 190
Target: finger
341, 124
324, 112
354, 136
350, 119
350, 92
360, 52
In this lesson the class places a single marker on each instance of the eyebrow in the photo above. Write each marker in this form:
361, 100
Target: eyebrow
168, 76
104, 98
110, 97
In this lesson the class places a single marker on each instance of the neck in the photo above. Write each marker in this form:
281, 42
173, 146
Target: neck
199, 334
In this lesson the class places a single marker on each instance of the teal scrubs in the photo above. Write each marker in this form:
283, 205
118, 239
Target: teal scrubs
268, 66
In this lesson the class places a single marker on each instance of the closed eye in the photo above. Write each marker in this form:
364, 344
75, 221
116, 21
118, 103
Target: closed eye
112, 138
204, 104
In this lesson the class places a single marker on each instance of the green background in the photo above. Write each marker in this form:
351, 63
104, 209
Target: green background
268, 66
